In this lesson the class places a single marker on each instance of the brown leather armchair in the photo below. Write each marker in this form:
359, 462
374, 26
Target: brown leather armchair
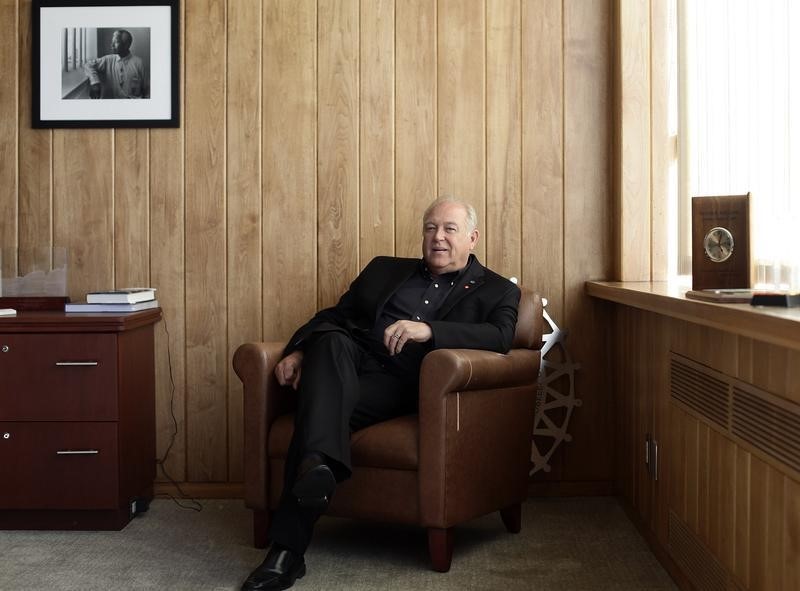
466, 454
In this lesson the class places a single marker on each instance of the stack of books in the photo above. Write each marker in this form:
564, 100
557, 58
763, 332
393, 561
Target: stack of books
127, 299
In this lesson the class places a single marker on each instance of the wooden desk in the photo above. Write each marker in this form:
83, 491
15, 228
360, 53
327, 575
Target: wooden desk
77, 419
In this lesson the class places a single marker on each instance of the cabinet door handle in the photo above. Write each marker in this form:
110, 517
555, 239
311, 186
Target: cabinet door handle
77, 452
655, 460
76, 363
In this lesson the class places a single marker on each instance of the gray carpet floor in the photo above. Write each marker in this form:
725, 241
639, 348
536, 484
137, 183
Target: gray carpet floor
565, 544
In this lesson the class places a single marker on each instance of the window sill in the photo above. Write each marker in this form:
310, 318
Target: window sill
778, 326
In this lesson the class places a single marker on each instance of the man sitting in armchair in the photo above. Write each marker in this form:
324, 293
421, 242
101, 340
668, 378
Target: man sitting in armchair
357, 363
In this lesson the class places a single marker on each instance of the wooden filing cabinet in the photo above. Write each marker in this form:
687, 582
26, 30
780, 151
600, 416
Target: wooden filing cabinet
77, 419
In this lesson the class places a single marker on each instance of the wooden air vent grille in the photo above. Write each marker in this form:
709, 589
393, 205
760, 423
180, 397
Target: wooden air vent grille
768, 423
701, 389
694, 559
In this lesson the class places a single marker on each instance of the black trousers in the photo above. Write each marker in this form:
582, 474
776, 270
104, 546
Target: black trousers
343, 387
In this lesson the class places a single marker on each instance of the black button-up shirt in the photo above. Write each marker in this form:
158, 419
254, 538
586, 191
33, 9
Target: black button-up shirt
419, 299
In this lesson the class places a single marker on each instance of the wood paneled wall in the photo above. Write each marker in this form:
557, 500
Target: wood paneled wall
313, 133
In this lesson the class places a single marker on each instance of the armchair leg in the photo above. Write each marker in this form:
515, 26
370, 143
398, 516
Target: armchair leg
512, 518
261, 521
440, 548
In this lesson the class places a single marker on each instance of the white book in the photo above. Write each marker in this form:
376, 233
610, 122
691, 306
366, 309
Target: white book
118, 308
126, 295
8, 312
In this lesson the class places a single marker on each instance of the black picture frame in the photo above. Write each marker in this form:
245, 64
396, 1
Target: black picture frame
78, 82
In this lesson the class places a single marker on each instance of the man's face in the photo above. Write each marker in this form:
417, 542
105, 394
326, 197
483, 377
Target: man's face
446, 240
119, 44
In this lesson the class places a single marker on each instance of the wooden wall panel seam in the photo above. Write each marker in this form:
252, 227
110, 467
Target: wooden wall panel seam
184, 187
394, 129
650, 129
226, 220
563, 160
113, 202
436, 90
51, 193
485, 203
357, 147
522, 123
9, 140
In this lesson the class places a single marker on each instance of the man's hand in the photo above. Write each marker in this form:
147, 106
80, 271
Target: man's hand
399, 333
288, 369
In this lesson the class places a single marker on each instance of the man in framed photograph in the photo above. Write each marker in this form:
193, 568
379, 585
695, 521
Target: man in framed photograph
120, 74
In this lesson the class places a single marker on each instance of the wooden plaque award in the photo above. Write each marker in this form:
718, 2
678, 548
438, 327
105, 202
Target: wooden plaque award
721, 242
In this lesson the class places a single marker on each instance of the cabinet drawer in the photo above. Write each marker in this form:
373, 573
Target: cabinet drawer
58, 466
58, 377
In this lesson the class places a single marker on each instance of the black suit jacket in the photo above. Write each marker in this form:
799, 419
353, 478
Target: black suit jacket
479, 313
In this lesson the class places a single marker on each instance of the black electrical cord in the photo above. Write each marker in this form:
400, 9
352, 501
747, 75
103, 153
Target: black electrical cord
194, 504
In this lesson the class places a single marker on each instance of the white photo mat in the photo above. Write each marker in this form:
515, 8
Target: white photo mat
56, 18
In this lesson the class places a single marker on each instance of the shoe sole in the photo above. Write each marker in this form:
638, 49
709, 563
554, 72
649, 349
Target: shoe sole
300, 574
315, 488
279, 585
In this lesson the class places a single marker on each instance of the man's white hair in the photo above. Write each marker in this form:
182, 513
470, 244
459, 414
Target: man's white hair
472, 216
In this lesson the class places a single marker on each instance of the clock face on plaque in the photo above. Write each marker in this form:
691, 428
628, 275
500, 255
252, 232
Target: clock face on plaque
718, 244
721, 242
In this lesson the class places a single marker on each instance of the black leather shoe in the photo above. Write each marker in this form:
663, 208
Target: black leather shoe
315, 483
280, 569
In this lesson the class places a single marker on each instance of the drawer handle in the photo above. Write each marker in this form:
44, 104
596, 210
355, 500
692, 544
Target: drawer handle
77, 452
76, 363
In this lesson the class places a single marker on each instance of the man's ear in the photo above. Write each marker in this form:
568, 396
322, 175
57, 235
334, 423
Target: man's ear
473, 239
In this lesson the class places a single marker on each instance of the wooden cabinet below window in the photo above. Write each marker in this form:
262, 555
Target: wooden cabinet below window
707, 399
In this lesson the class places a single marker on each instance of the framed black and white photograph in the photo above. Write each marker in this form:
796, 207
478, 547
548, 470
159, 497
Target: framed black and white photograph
96, 65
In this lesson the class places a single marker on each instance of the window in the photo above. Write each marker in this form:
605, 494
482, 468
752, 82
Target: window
738, 102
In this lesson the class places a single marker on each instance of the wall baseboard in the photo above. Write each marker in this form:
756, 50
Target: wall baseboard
235, 490
591, 488
201, 490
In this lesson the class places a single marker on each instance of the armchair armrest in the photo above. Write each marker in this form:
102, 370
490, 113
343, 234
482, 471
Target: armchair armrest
264, 401
449, 370
475, 422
